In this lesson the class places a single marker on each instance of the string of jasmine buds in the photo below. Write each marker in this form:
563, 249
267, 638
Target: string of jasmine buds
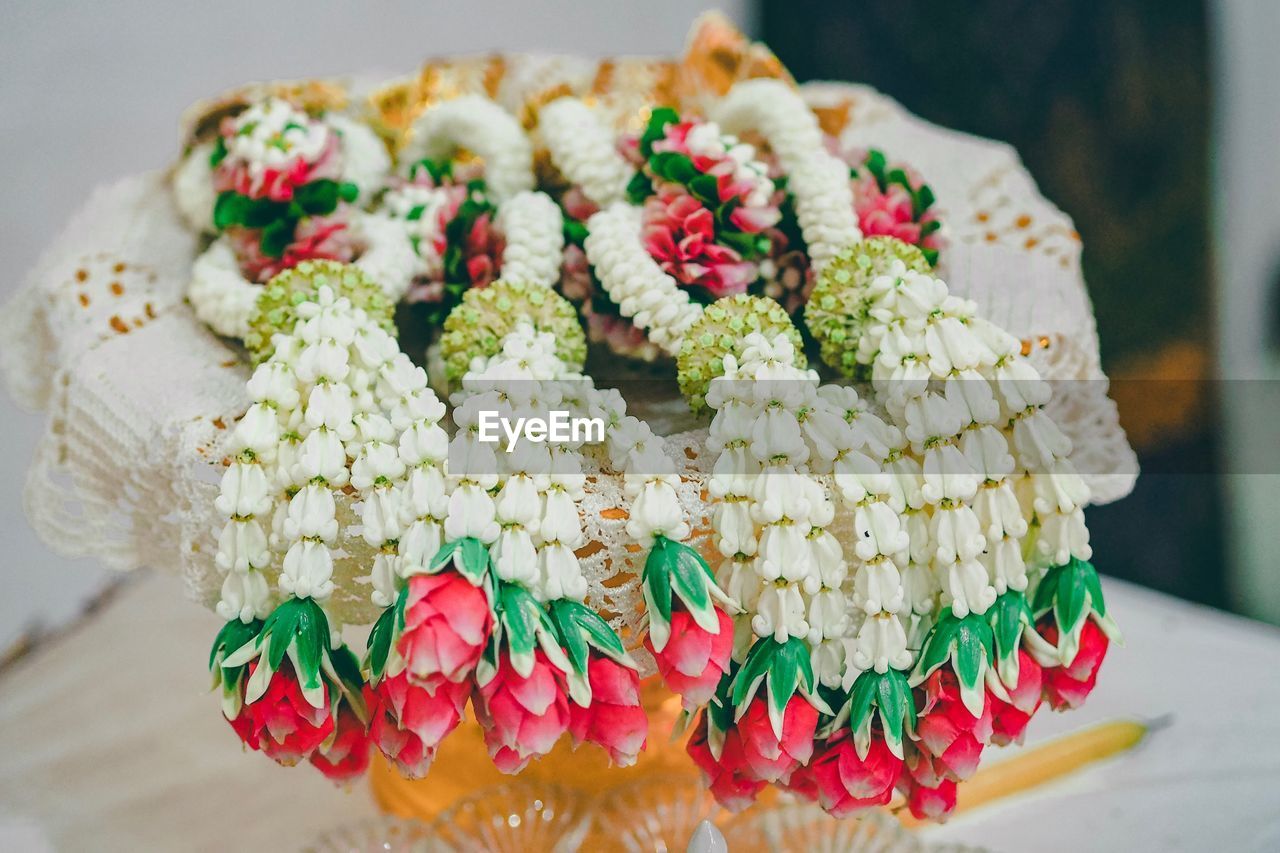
817, 179
799, 567
583, 148
480, 126
637, 285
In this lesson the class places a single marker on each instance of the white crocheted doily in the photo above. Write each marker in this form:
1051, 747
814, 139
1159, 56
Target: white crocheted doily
140, 394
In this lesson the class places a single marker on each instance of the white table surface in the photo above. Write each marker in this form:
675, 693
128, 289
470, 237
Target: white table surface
111, 740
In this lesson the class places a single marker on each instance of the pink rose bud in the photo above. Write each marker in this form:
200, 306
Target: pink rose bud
1068, 686
408, 722
1009, 719
728, 778
947, 731
693, 660
847, 784
614, 720
282, 723
523, 717
769, 758
447, 622
346, 758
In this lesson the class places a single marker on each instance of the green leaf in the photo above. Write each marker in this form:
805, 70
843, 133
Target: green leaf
1071, 599
1094, 587
230, 209
704, 187
672, 166
475, 559
219, 152
875, 164
785, 672
657, 575
348, 192
639, 188
444, 555
575, 232
753, 671
897, 706
1008, 618
689, 576
520, 616
232, 636
276, 237
922, 200
569, 635
318, 198
656, 128
383, 632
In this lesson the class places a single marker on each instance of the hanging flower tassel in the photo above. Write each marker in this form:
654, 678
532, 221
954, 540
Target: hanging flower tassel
858, 766
294, 690
423, 653
522, 693
603, 684
1072, 616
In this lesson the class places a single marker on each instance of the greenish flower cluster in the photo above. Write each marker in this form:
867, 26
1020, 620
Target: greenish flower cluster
486, 315
721, 331
280, 297
837, 309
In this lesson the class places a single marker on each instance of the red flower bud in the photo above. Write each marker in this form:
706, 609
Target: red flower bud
947, 731
693, 660
728, 777
614, 720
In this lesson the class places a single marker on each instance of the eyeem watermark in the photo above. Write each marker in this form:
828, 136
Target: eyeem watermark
559, 426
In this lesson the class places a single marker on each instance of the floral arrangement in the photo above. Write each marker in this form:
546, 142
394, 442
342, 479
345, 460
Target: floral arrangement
845, 668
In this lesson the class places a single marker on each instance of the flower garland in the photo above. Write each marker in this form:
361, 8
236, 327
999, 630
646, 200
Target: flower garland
816, 179
842, 674
583, 149
290, 686
645, 294
480, 126
278, 186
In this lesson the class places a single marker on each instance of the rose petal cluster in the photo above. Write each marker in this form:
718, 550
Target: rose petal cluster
345, 758
1009, 719
282, 723
680, 233
522, 716
729, 777
447, 622
946, 731
1068, 686
614, 720
694, 660
846, 784
408, 722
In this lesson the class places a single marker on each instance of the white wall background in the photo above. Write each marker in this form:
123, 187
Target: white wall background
93, 90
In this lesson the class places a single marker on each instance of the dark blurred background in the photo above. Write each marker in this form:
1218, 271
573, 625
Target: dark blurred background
1109, 106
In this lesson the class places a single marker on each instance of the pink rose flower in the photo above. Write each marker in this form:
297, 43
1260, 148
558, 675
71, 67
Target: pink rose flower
346, 757
1009, 719
1068, 686
522, 717
848, 784
282, 723
947, 731
408, 722
929, 795
679, 233
316, 238
693, 661
447, 622
728, 778
768, 757
614, 720
278, 182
